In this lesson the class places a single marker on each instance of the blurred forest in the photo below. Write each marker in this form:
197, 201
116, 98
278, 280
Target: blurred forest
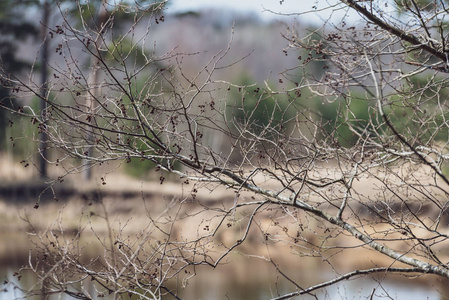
177, 141
257, 45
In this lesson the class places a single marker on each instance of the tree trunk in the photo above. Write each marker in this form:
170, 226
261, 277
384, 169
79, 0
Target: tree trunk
44, 91
93, 89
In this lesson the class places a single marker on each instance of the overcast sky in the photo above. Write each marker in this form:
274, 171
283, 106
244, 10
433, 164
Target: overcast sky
244, 5
258, 6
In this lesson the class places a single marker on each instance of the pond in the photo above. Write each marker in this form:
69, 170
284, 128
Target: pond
247, 278
252, 282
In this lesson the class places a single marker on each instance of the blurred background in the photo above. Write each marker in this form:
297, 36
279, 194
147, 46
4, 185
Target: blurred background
203, 28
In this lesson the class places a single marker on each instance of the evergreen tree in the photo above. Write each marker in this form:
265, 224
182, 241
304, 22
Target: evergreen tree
13, 29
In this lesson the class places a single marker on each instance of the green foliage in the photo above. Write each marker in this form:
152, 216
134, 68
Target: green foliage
421, 117
88, 10
12, 10
18, 133
251, 108
13, 28
5, 117
139, 168
344, 116
123, 48
423, 5
138, 88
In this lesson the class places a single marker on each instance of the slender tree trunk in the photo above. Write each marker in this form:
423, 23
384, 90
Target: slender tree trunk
43, 92
94, 89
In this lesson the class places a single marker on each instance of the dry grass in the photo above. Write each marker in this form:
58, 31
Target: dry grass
121, 205
12, 170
